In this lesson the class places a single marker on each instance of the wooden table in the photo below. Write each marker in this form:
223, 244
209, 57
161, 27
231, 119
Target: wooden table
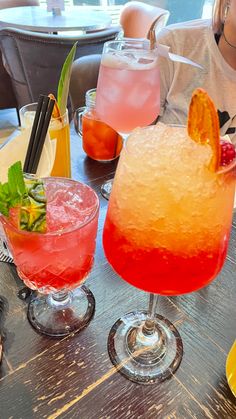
74, 378
35, 18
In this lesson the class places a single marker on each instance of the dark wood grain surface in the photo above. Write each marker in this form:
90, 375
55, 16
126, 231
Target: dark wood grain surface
73, 377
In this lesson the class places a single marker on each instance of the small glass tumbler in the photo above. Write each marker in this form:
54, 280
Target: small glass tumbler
100, 141
59, 129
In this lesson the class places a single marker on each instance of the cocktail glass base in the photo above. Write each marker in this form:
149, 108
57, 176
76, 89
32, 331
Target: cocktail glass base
141, 358
62, 313
106, 188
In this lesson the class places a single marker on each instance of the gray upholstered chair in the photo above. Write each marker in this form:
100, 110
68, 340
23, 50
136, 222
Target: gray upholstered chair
84, 76
5, 4
7, 94
34, 60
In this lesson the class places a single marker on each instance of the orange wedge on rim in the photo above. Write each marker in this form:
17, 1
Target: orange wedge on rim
203, 124
56, 111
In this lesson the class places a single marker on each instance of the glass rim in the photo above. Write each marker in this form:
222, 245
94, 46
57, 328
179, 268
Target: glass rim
21, 110
128, 40
66, 230
133, 41
222, 169
90, 97
91, 91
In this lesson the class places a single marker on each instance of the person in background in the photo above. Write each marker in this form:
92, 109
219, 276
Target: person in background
213, 45
180, 10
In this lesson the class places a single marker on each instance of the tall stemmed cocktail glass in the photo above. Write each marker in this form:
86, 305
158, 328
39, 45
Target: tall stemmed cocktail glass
128, 89
166, 232
56, 263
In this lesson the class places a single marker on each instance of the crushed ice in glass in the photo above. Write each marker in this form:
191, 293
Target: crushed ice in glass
68, 206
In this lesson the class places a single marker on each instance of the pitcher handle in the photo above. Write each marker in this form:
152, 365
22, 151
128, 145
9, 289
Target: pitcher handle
78, 119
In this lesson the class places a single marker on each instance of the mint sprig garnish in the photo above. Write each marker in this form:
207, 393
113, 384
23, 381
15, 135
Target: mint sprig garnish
13, 191
28, 193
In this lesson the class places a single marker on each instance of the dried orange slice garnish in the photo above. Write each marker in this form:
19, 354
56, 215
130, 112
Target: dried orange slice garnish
203, 124
56, 111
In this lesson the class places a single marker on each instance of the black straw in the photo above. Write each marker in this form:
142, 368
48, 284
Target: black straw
38, 133
42, 138
32, 135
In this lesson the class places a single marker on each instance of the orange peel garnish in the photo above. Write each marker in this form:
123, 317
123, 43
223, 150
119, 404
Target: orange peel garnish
56, 111
203, 124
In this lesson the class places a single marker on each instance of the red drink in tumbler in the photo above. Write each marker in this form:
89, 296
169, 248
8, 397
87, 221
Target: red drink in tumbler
63, 256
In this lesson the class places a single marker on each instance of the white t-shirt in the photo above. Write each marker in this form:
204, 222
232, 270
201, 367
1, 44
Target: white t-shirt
195, 40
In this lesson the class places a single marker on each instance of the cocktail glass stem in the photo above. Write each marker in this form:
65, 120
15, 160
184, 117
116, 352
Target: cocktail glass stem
107, 185
144, 346
106, 188
59, 299
149, 325
147, 342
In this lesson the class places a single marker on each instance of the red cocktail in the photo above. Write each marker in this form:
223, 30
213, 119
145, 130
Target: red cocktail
100, 142
60, 259
166, 232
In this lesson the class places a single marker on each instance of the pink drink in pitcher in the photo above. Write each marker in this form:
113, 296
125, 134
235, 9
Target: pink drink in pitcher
128, 91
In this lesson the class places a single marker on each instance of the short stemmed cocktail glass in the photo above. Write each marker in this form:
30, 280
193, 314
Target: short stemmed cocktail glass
56, 263
166, 232
128, 89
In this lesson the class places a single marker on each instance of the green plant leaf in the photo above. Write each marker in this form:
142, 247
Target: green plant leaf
16, 182
12, 192
63, 86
